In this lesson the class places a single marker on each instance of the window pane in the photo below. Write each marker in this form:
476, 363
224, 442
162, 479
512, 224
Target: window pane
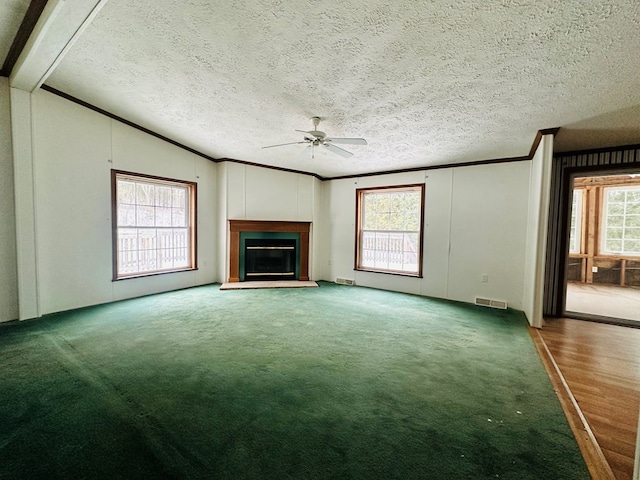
144, 194
614, 233
384, 203
633, 195
381, 259
127, 215
383, 221
179, 197
128, 239
164, 238
632, 233
146, 216
412, 221
633, 208
165, 258
163, 196
370, 221
614, 246
396, 221
179, 217
632, 246
615, 221
126, 192
163, 216
397, 203
615, 196
615, 209
632, 221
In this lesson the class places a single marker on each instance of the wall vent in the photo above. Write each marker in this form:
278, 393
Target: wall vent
345, 281
488, 302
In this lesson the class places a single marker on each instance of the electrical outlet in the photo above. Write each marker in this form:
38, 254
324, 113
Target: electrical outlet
485, 278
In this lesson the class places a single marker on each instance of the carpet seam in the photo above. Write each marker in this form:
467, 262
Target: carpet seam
153, 433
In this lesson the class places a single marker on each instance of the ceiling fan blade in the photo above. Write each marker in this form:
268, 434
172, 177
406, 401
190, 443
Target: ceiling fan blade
308, 135
283, 144
348, 141
340, 151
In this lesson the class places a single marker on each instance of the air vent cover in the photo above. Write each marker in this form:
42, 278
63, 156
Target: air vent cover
489, 302
345, 281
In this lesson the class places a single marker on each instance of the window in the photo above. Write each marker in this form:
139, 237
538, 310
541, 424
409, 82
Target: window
153, 225
621, 222
389, 229
575, 237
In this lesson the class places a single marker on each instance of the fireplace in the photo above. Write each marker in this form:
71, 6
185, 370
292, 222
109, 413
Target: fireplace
268, 250
269, 259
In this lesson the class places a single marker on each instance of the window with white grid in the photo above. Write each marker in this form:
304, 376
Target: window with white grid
389, 237
153, 226
575, 237
621, 221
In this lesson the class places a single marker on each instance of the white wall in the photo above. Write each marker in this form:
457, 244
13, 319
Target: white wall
222, 236
475, 224
475, 217
488, 232
8, 262
254, 193
74, 152
538, 217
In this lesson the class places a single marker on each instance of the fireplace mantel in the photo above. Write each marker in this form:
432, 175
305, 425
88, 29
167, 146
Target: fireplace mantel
238, 226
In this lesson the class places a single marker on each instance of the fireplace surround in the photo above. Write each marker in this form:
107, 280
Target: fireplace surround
240, 231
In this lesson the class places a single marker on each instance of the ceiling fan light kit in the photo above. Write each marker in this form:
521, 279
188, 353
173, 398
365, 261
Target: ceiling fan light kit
315, 138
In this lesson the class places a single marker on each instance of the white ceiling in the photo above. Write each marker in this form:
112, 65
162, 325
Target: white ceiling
11, 15
426, 83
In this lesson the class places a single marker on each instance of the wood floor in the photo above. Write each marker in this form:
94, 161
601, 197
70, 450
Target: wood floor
600, 364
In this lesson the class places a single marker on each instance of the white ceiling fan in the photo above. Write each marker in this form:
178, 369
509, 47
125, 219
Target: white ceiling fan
315, 138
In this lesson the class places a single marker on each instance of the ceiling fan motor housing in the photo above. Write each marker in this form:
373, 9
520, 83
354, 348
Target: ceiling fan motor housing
319, 136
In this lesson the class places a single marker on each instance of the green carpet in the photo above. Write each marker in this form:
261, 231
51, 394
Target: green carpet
331, 382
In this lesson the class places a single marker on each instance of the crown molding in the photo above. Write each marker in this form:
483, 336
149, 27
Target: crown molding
532, 151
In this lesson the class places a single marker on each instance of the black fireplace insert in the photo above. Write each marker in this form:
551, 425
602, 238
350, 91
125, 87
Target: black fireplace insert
270, 259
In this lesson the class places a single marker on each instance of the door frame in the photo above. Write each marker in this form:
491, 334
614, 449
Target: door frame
566, 166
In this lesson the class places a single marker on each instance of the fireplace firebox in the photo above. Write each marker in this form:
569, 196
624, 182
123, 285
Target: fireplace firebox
270, 259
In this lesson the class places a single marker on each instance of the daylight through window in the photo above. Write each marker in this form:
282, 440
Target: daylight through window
389, 236
575, 237
621, 232
153, 225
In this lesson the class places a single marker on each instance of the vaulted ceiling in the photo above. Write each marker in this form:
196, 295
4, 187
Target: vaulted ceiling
426, 83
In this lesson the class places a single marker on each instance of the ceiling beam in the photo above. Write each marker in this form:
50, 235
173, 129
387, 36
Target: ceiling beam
19, 41
59, 25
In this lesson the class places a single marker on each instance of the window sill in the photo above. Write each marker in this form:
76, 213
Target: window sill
390, 272
153, 274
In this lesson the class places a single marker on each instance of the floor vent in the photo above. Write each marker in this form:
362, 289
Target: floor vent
488, 302
344, 281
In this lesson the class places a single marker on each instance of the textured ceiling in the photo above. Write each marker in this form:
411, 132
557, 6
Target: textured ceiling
11, 15
425, 83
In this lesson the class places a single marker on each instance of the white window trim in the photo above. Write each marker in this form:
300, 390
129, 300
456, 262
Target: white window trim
605, 219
